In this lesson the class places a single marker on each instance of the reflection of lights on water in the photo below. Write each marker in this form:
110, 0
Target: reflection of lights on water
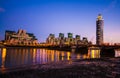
70, 62
78, 56
34, 55
43, 55
87, 63
52, 54
3, 57
68, 55
63, 54
62, 58
117, 53
34, 50
4, 53
85, 56
58, 55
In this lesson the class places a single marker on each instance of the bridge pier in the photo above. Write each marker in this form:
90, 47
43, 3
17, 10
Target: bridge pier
107, 52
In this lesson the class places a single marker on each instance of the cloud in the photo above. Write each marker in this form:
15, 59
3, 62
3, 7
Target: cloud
2, 9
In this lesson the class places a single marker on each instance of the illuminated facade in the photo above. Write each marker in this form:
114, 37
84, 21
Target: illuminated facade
20, 37
61, 35
51, 39
70, 35
61, 40
99, 30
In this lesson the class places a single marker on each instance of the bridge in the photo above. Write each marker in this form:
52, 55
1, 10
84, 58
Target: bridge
97, 46
105, 50
67, 47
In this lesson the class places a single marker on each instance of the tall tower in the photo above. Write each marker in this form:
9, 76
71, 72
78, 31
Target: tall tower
99, 30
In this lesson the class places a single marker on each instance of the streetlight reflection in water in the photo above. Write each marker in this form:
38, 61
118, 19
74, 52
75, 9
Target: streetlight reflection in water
14, 57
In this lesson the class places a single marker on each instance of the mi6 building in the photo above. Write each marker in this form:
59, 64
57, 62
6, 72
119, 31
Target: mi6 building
20, 37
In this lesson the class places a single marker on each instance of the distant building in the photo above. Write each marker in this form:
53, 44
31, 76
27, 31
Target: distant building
99, 30
61, 35
61, 40
85, 41
51, 39
70, 35
78, 37
20, 37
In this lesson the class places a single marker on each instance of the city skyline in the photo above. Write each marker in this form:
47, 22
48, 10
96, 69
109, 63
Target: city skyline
43, 17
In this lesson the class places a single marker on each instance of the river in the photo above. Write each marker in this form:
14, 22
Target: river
17, 57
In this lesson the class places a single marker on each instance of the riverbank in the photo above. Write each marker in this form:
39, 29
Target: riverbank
86, 68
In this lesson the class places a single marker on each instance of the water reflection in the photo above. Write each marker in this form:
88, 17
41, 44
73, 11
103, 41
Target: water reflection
12, 57
107, 53
117, 53
91, 54
3, 57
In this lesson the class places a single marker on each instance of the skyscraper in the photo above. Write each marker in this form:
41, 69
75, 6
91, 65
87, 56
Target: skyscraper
99, 30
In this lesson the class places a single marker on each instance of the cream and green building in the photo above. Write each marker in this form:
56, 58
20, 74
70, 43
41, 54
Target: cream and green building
21, 37
70, 40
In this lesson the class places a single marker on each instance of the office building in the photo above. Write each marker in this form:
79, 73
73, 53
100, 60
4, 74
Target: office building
70, 35
51, 39
61, 35
77, 37
61, 40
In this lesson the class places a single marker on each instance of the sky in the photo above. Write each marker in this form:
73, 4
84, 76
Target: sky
43, 17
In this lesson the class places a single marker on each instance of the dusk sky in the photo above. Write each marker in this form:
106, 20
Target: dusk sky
43, 17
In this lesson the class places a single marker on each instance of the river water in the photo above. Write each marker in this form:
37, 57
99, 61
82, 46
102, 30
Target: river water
16, 57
